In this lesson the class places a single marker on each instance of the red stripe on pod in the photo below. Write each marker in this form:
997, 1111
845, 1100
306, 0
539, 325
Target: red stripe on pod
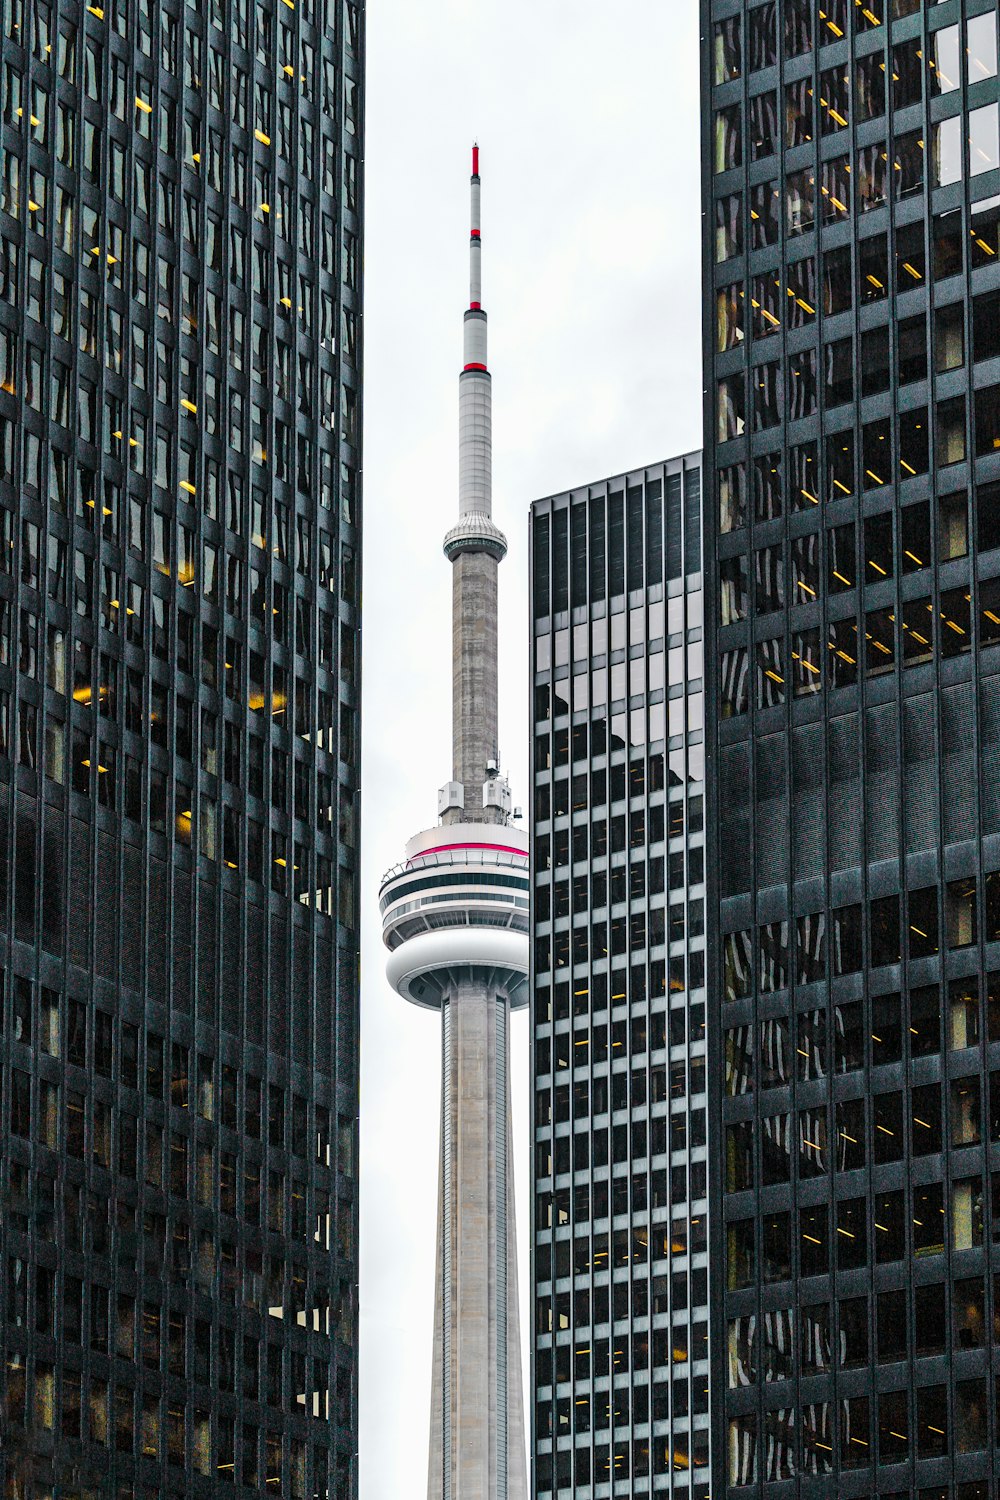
476, 235
448, 848
475, 367
475, 306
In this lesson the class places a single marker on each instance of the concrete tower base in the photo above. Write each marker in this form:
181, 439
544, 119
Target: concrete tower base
477, 1447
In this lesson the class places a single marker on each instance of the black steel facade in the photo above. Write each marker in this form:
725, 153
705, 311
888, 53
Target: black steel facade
852, 339
180, 364
619, 1234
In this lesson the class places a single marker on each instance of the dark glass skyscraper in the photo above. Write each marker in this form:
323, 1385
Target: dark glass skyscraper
179, 487
852, 331
619, 1236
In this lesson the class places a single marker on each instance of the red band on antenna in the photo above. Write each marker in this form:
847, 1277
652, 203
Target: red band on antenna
475, 161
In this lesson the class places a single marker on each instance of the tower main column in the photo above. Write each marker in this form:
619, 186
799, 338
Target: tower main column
455, 921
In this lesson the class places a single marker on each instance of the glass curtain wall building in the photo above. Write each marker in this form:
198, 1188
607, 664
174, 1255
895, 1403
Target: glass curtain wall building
852, 333
619, 1237
179, 465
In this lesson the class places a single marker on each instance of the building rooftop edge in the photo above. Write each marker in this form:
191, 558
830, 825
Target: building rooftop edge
681, 459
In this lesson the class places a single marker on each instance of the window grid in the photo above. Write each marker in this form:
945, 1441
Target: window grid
852, 173
620, 1338
179, 527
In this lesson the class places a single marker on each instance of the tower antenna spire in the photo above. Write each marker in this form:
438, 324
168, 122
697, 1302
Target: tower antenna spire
475, 237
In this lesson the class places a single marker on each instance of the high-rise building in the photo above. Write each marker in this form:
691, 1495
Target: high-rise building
180, 365
619, 1236
852, 601
455, 921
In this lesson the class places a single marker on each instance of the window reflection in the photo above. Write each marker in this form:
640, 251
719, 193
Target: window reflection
763, 36
943, 63
762, 122
807, 665
852, 1342
767, 487
834, 100
729, 318
765, 209
855, 1433
770, 673
728, 50
967, 1213
728, 139
984, 139
734, 685
946, 151
800, 201
731, 409
981, 34
852, 1234
732, 498
729, 227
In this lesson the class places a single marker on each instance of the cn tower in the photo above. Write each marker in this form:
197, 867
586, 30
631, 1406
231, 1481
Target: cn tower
455, 921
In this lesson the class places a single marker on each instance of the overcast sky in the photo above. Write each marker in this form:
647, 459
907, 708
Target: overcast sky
587, 116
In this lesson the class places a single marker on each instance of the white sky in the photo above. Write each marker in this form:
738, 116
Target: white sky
587, 115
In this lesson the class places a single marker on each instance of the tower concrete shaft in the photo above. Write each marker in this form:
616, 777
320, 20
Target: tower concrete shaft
474, 681
455, 921
477, 1412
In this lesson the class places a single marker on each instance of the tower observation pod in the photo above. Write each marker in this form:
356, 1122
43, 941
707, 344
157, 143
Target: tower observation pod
455, 922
